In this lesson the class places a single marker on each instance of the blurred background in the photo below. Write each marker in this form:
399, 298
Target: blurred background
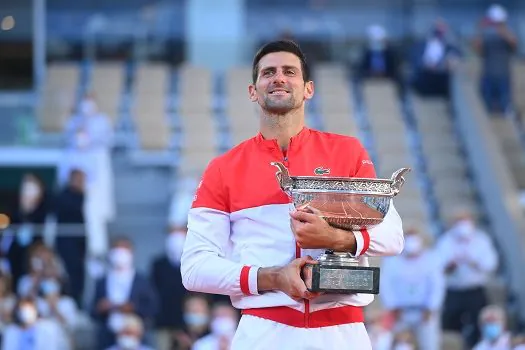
110, 110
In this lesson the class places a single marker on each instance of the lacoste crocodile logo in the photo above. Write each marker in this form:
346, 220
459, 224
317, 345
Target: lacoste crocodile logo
321, 171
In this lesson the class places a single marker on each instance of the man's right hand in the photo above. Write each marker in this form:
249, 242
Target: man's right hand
287, 279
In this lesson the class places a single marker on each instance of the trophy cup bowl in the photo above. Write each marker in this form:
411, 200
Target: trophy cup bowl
346, 203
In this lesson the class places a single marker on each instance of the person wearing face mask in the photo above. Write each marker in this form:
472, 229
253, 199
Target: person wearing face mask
222, 328
167, 280
469, 260
413, 289
27, 222
434, 59
131, 334
494, 335
89, 137
122, 291
379, 59
29, 331
196, 317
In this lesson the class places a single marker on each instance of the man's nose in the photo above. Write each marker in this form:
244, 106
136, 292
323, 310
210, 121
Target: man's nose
279, 78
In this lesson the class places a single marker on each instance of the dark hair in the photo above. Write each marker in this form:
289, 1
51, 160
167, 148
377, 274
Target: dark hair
280, 46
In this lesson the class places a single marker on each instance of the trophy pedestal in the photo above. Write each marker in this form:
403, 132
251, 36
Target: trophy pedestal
339, 273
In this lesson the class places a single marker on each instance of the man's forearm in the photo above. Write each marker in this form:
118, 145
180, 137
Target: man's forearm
268, 279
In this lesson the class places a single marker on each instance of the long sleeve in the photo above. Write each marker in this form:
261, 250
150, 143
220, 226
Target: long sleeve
484, 255
204, 264
437, 283
385, 239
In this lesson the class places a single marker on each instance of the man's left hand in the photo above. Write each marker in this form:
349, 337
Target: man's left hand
313, 232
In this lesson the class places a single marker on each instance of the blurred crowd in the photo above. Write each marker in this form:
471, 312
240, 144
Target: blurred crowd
59, 271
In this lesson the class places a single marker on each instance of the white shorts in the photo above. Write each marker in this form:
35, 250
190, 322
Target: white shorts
254, 333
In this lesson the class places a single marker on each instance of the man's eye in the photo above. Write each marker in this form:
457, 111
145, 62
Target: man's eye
290, 72
267, 73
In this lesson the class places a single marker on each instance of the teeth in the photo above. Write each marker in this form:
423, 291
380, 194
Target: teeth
278, 92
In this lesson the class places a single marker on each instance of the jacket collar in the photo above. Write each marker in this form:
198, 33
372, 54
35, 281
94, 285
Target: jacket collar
298, 139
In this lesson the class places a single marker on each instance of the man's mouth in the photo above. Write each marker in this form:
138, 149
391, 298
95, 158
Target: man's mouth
279, 92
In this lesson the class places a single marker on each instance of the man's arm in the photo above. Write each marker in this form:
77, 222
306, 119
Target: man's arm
204, 266
386, 238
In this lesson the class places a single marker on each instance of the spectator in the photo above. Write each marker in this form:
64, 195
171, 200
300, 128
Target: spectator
131, 334
379, 58
182, 200
44, 264
495, 42
89, 137
71, 242
167, 280
196, 322
469, 259
433, 61
121, 292
27, 219
493, 329
413, 289
7, 302
61, 309
29, 331
404, 341
222, 327
379, 331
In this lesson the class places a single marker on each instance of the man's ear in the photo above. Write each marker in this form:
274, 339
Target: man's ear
309, 90
253, 93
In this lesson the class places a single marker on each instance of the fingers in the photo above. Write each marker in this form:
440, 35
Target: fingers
303, 216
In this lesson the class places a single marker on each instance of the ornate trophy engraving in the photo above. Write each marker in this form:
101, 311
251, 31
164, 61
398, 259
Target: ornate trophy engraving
347, 203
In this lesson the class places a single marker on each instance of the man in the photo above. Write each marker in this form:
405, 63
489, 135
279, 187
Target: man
495, 335
413, 289
469, 260
121, 292
243, 240
496, 43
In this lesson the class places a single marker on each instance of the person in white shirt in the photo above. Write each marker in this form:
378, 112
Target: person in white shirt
469, 259
130, 335
413, 289
29, 331
62, 309
222, 327
493, 329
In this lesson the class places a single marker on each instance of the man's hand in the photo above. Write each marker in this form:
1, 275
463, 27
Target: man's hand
286, 279
313, 232
289, 279
104, 306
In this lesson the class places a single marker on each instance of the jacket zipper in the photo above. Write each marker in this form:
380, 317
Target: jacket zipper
298, 250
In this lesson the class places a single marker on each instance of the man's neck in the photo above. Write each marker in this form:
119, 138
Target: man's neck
282, 127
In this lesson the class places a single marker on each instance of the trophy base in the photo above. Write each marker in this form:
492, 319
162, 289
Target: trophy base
338, 273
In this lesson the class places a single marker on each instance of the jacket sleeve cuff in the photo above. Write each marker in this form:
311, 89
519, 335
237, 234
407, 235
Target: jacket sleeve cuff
248, 280
362, 239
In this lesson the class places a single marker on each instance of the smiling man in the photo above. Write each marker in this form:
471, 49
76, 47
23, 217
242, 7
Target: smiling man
244, 238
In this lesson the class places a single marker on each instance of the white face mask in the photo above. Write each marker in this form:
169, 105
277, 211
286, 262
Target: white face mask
121, 258
413, 244
464, 229
27, 314
50, 287
30, 190
128, 342
88, 107
174, 245
223, 326
404, 346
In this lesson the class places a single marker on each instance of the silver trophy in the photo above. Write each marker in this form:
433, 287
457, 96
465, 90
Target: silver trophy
347, 203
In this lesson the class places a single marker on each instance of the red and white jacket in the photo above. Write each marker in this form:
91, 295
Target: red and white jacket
240, 221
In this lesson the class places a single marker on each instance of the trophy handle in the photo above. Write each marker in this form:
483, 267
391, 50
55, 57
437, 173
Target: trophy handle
283, 177
398, 180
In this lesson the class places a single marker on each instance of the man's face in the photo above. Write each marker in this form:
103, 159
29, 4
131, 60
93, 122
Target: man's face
280, 87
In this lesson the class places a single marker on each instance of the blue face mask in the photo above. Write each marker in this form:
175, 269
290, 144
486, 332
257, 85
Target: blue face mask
492, 331
195, 320
50, 287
